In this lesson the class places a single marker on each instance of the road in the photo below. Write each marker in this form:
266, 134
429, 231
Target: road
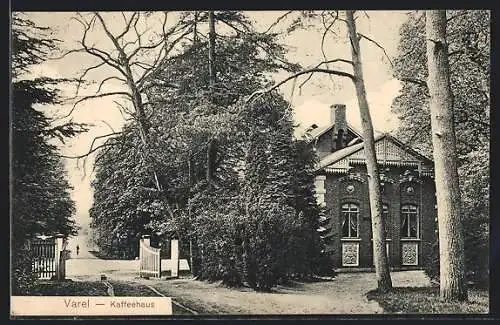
344, 295
81, 242
86, 265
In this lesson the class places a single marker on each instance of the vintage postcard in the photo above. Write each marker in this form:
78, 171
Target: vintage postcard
184, 164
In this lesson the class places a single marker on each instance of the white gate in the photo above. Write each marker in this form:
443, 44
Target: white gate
149, 259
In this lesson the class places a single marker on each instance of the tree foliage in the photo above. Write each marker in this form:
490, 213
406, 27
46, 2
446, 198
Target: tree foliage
255, 221
41, 202
468, 37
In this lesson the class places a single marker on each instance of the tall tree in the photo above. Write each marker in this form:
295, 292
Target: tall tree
212, 144
468, 39
212, 217
135, 56
40, 201
209, 105
451, 243
378, 223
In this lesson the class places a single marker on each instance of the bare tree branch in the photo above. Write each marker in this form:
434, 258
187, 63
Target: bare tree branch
104, 153
277, 21
125, 109
123, 62
142, 65
108, 125
159, 57
258, 93
238, 31
103, 56
151, 46
94, 97
127, 27
327, 29
378, 45
144, 47
318, 65
107, 79
83, 75
92, 150
338, 17
124, 46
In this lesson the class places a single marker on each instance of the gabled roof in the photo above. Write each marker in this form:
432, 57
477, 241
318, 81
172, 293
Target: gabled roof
319, 131
350, 150
411, 150
342, 153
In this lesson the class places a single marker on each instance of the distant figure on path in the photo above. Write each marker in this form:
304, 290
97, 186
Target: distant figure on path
77, 249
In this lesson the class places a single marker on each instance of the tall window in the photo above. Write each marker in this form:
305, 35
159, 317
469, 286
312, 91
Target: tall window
409, 221
386, 216
350, 224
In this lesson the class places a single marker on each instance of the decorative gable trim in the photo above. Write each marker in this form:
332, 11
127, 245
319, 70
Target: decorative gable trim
389, 151
351, 177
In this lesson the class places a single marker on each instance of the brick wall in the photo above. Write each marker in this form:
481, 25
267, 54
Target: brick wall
394, 195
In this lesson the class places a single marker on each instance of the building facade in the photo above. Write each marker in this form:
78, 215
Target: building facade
408, 197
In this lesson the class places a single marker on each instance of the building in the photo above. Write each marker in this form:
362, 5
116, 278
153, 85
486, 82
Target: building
408, 197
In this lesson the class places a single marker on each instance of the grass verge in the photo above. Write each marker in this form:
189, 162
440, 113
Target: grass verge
68, 288
426, 300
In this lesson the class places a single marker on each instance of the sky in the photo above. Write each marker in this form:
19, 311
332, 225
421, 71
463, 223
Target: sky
310, 103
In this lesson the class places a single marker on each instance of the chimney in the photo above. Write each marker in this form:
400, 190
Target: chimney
339, 131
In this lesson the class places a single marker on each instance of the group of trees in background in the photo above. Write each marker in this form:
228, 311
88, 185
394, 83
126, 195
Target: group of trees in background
468, 38
41, 202
235, 186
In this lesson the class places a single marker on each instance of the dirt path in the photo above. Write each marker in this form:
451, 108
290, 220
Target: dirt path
84, 250
343, 295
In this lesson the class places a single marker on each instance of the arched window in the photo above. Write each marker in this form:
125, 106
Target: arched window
409, 221
350, 220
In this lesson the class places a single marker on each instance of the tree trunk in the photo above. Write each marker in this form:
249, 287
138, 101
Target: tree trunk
379, 251
142, 120
191, 259
451, 243
195, 28
211, 151
211, 48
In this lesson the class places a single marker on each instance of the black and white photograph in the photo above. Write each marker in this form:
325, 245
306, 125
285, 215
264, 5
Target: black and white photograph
185, 164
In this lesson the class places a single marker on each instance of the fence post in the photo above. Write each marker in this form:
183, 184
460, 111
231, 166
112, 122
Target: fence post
57, 257
174, 257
